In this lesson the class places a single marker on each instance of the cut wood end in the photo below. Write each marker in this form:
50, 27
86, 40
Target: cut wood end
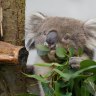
9, 53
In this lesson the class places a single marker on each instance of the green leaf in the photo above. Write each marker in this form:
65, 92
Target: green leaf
71, 52
66, 76
92, 78
76, 87
80, 51
37, 77
84, 91
47, 89
48, 64
57, 89
77, 73
44, 64
87, 63
60, 52
90, 86
42, 50
56, 64
48, 74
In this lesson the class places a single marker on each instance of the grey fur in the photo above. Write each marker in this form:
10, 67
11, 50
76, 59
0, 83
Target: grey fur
76, 30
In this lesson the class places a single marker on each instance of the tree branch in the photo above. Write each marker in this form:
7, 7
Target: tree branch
9, 53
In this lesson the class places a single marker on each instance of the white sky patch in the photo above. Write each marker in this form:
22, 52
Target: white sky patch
79, 9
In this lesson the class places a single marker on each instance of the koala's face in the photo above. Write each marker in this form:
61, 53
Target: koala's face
54, 30
69, 32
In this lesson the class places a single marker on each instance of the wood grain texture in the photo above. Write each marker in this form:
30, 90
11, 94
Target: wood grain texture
13, 20
9, 53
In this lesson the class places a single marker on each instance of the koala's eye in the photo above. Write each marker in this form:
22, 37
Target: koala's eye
52, 37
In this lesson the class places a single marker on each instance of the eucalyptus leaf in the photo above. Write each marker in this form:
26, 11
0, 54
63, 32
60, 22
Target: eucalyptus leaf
44, 64
71, 52
48, 64
37, 77
77, 73
80, 51
87, 63
47, 89
75, 83
42, 50
66, 76
84, 91
57, 89
48, 74
61, 52
90, 86
91, 78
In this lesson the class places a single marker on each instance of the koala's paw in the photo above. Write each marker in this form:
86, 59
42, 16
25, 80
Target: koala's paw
74, 62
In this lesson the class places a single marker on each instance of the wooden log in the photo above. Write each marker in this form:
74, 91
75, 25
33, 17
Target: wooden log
9, 53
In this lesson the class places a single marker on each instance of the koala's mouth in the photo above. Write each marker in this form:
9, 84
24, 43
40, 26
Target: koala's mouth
50, 46
49, 53
45, 48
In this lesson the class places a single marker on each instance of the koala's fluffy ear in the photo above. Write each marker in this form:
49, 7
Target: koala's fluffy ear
90, 27
31, 28
36, 18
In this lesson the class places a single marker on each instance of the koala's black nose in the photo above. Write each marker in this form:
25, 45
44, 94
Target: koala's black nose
52, 38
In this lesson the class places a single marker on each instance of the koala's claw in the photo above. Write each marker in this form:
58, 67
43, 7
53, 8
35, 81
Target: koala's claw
74, 62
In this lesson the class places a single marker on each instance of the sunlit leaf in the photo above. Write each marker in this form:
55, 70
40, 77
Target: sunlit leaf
48, 64
44, 64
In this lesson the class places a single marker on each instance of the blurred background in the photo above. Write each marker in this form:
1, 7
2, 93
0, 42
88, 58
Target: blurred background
80, 9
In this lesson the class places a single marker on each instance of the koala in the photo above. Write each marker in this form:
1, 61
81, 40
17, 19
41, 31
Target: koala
69, 32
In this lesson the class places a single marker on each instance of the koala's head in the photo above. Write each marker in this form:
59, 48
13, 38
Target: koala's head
50, 31
53, 30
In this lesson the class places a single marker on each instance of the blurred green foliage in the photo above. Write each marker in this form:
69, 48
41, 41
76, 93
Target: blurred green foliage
64, 81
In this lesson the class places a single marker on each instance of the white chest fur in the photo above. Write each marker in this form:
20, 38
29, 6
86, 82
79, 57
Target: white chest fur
33, 58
